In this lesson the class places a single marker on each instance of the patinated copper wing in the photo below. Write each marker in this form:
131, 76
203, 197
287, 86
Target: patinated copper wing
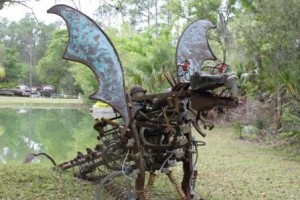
88, 44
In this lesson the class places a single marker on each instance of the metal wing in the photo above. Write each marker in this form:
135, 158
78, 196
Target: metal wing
88, 44
193, 45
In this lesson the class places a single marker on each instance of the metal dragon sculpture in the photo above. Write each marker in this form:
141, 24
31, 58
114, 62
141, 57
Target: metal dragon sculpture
150, 133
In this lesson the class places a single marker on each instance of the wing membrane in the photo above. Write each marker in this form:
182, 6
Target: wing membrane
89, 45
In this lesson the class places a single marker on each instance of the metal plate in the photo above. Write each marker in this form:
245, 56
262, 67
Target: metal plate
88, 44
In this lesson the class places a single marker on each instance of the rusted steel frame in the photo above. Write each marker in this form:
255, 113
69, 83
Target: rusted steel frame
157, 126
168, 120
110, 187
151, 125
195, 123
146, 116
155, 113
173, 78
227, 101
79, 161
109, 132
163, 95
161, 147
111, 119
95, 164
169, 81
176, 185
179, 86
176, 111
187, 170
110, 122
198, 129
114, 190
206, 123
139, 162
151, 179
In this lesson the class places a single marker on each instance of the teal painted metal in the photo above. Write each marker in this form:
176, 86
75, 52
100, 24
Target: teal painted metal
89, 45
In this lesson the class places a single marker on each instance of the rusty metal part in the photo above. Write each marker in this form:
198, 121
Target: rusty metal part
204, 82
169, 81
160, 146
31, 156
163, 95
110, 122
151, 179
176, 185
78, 161
205, 101
206, 123
115, 190
198, 129
139, 162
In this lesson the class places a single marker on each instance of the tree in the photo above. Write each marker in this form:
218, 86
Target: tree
141, 15
2, 73
9, 2
12, 66
30, 39
267, 34
220, 13
52, 69
270, 39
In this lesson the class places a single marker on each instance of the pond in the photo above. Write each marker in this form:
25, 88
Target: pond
57, 132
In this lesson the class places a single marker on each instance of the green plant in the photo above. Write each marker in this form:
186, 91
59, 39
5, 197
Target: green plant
238, 129
291, 120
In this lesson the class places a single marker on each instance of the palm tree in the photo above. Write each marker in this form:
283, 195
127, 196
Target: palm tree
149, 71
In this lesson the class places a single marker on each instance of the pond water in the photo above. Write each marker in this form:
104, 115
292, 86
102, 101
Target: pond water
57, 132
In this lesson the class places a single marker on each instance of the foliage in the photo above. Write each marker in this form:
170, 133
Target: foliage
54, 70
139, 14
291, 119
144, 57
12, 66
149, 70
30, 39
11, 2
269, 36
2, 72
191, 10
84, 79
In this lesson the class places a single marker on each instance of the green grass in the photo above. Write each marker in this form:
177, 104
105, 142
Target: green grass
228, 168
39, 102
39, 182
233, 169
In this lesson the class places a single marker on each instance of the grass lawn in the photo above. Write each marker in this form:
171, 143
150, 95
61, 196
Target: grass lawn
228, 169
238, 170
38, 182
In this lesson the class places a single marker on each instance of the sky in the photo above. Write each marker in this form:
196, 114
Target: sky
17, 12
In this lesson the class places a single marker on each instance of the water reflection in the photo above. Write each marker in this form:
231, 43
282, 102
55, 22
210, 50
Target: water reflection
58, 132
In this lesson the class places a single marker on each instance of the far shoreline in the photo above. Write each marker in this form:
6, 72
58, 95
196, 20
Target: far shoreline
45, 103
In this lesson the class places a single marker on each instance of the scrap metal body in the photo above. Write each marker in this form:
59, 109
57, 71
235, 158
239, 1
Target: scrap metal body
149, 132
